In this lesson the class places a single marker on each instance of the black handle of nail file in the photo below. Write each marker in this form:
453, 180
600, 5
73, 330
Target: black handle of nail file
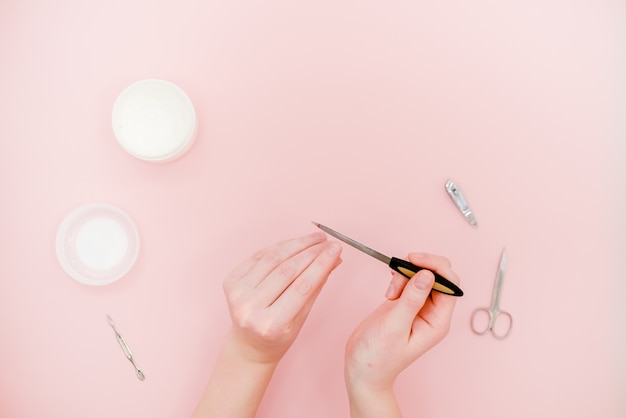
408, 270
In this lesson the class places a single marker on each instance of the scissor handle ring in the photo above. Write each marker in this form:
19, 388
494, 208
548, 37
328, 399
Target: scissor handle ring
495, 318
473, 321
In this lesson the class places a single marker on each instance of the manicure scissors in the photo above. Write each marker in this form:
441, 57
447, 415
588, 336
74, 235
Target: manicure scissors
485, 319
403, 267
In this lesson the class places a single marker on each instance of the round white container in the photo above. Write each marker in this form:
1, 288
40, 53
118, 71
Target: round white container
97, 244
154, 120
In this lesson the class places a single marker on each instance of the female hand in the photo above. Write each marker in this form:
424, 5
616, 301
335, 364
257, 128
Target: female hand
270, 295
403, 328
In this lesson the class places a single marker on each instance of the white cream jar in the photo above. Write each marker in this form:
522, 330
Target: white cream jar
154, 120
97, 244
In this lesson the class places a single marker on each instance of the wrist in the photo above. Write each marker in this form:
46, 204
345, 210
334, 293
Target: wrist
245, 352
370, 401
237, 383
365, 380
361, 391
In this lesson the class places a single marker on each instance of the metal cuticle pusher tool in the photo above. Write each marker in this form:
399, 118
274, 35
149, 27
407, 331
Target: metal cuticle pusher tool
125, 349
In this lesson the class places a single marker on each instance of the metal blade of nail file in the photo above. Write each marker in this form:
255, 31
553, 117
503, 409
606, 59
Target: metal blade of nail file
355, 244
406, 268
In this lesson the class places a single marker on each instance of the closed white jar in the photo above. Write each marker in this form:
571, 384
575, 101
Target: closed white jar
154, 120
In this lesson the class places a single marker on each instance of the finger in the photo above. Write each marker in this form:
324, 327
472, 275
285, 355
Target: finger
396, 286
242, 269
438, 311
268, 290
304, 312
435, 263
442, 304
432, 262
269, 258
412, 298
438, 264
304, 289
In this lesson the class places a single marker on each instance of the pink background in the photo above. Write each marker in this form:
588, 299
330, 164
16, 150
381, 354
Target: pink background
350, 113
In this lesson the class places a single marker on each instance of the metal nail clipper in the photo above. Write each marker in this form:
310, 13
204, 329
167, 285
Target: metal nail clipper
459, 200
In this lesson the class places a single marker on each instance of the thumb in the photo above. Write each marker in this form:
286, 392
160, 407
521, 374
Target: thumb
414, 296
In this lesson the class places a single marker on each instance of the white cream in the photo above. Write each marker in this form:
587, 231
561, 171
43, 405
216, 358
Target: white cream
97, 244
154, 120
101, 243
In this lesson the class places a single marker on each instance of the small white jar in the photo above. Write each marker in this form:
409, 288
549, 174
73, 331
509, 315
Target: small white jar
154, 120
97, 244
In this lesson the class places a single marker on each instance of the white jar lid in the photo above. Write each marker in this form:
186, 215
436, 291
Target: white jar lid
97, 244
154, 120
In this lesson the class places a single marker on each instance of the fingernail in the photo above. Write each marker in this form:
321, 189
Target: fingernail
318, 236
334, 247
423, 279
391, 291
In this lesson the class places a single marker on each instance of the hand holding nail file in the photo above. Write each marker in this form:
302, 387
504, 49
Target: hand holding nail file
403, 267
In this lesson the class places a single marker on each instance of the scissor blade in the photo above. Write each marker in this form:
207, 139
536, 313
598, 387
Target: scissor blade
503, 261
357, 245
497, 288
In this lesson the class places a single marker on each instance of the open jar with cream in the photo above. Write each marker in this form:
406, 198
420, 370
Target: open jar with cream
97, 244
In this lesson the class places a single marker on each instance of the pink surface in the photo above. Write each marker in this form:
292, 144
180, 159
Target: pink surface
352, 114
